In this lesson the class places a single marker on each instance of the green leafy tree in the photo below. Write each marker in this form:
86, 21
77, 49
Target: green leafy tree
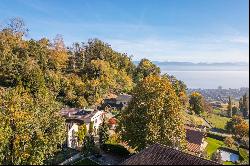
91, 127
196, 103
82, 132
153, 115
235, 110
103, 133
88, 145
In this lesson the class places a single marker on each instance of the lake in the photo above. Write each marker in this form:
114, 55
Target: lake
212, 79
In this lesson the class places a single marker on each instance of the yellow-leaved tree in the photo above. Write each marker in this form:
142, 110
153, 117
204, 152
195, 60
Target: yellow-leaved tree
154, 115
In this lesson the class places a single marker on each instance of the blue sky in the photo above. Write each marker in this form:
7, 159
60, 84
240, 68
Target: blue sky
162, 30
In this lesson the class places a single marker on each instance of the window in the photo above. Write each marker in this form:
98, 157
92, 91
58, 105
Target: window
96, 121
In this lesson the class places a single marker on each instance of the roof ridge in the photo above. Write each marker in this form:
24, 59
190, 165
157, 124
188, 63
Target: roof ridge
166, 147
182, 151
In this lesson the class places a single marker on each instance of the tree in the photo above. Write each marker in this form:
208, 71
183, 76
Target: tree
144, 69
153, 115
238, 126
82, 132
216, 156
88, 145
58, 54
91, 127
229, 141
229, 107
245, 104
33, 125
180, 89
235, 110
17, 26
196, 103
103, 133
242, 129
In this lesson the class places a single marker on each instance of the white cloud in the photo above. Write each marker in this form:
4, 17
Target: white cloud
192, 50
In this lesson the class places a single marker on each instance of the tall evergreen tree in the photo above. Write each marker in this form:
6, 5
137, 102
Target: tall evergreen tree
245, 104
91, 127
103, 133
82, 132
88, 145
229, 107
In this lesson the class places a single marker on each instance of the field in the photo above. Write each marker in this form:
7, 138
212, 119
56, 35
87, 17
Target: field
217, 121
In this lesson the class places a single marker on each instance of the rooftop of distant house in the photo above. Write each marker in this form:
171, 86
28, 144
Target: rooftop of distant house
162, 155
194, 139
124, 97
77, 114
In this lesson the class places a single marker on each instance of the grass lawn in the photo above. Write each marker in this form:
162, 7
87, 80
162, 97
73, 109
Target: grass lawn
217, 120
212, 146
85, 162
193, 119
228, 163
244, 154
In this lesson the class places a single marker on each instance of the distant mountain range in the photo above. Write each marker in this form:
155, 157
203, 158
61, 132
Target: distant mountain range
198, 64
189, 66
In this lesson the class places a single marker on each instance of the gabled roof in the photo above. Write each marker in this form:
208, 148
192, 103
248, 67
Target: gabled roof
162, 155
194, 139
78, 115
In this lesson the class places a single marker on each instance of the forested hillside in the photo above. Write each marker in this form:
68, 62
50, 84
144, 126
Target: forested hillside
39, 77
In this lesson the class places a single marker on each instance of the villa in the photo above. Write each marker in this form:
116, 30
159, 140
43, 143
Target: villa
76, 117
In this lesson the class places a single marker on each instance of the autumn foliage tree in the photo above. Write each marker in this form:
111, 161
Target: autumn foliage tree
180, 89
153, 115
144, 69
31, 127
238, 126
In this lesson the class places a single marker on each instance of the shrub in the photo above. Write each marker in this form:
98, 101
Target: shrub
116, 148
229, 141
216, 136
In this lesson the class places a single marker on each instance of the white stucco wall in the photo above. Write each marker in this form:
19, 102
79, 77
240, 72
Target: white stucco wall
70, 141
97, 119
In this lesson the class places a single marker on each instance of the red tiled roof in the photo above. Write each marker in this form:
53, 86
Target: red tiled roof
161, 155
194, 139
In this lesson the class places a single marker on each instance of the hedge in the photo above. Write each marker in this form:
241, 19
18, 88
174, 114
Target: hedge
216, 136
116, 148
